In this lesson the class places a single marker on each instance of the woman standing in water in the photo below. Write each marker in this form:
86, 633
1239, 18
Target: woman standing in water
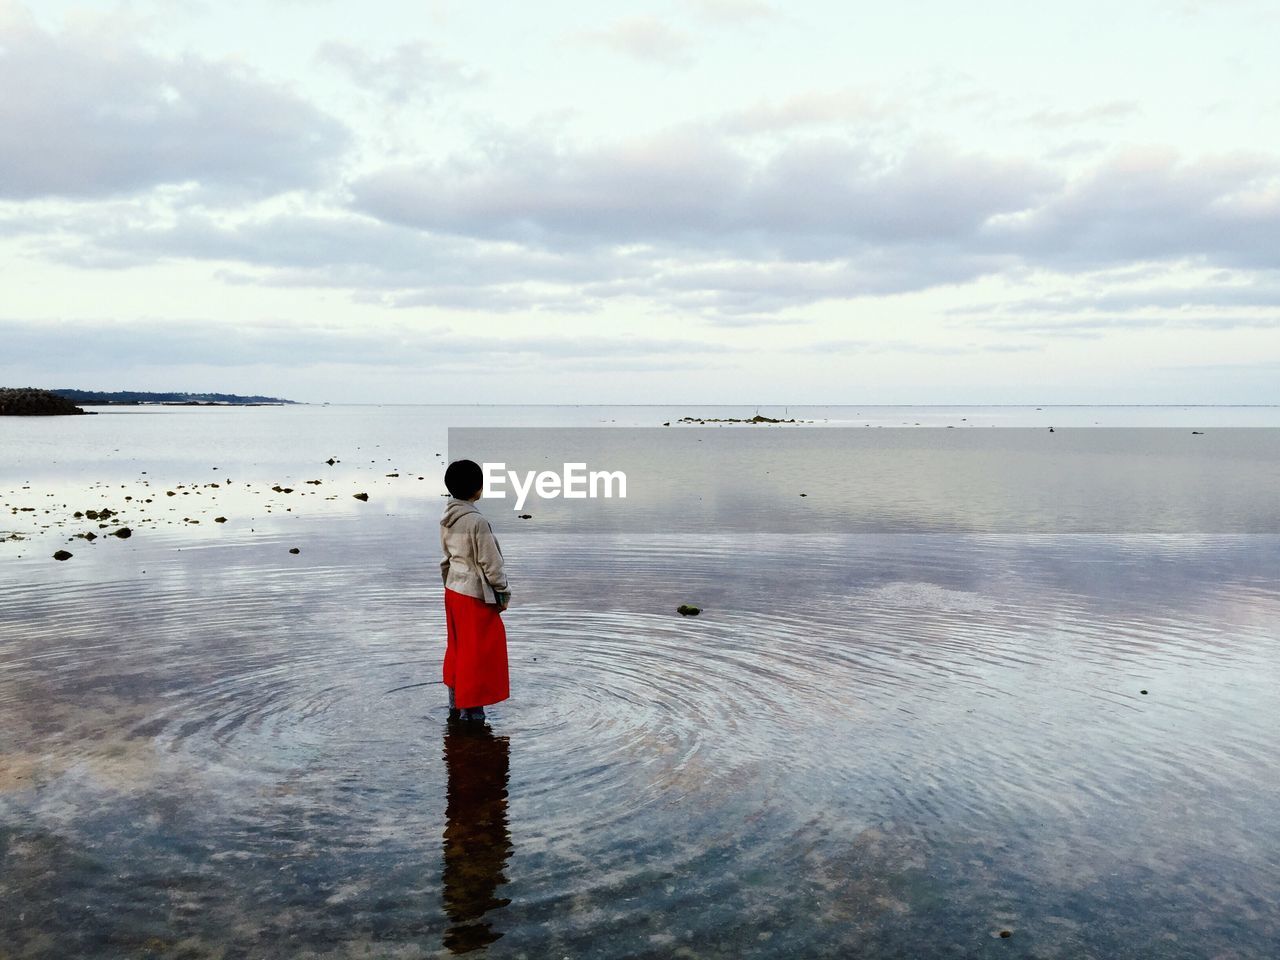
475, 594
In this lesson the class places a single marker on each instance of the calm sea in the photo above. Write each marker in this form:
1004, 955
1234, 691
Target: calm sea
918, 741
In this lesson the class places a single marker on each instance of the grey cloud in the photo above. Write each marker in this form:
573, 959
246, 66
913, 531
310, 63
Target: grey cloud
701, 269
926, 193
337, 250
813, 196
405, 267
1150, 205
696, 222
677, 183
725, 291
89, 115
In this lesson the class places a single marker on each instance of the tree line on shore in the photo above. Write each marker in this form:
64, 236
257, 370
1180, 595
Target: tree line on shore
30, 402
34, 402
144, 396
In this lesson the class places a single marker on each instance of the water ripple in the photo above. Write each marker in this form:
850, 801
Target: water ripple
903, 688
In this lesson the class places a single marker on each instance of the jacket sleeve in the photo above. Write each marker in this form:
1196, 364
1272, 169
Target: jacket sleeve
444, 564
489, 557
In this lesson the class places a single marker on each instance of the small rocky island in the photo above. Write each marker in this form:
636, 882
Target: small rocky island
30, 402
758, 418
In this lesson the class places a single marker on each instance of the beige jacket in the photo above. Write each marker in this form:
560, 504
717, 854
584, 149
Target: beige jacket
472, 561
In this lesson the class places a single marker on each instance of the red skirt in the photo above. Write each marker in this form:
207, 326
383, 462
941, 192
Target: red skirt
475, 658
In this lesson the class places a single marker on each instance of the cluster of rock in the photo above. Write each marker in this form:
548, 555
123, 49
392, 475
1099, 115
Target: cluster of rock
110, 521
30, 402
756, 419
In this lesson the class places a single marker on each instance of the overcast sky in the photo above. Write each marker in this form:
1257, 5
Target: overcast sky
697, 201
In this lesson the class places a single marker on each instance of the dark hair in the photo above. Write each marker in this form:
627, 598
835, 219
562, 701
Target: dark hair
464, 478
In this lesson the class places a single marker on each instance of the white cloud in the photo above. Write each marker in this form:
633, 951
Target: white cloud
802, 179
814, 108
1103, 324
90, 114
208, 342
853, 345
1115, 295
688, 221
412, 73
647, 39
1111, 112
733, 11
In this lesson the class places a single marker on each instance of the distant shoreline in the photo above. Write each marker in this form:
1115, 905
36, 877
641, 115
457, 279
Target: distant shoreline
137, 398
188, 403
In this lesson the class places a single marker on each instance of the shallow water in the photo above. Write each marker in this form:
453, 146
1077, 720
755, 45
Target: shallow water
866, 745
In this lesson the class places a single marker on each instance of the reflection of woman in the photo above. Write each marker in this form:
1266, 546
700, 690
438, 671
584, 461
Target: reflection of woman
477, 842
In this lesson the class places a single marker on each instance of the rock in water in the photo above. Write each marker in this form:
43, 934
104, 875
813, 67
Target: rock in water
294, 550
124, 533
62, 555
688, 610
361, 496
